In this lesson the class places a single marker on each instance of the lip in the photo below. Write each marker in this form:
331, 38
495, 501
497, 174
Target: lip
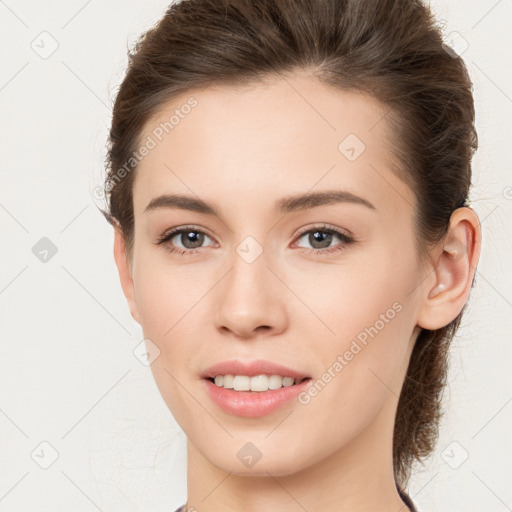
253, 404
251, 368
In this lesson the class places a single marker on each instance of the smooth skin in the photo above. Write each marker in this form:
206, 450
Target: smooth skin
242, 149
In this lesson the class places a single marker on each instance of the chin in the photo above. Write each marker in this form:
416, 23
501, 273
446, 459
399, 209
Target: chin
275, 465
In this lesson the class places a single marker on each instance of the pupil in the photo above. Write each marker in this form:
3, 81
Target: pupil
323, 237
194, 238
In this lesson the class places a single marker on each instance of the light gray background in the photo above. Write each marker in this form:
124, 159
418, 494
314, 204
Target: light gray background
68, 376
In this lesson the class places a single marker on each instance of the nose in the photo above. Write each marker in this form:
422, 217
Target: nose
251, 300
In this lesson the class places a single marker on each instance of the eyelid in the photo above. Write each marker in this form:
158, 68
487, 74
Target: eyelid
324, 227
178, 229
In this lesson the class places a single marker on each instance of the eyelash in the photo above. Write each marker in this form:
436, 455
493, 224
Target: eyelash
324, 228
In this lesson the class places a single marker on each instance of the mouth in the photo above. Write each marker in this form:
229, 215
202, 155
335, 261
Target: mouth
261, 369
252, 403
255, 384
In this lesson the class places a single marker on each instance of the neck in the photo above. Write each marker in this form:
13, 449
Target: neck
357, 477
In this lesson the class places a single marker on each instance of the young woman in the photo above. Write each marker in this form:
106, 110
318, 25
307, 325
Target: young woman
288, 182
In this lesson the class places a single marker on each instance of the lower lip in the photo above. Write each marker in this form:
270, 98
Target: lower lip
252, 404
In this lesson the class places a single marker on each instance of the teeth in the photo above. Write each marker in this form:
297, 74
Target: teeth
256, 383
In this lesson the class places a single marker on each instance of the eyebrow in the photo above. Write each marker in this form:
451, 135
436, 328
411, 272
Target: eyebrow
288, 204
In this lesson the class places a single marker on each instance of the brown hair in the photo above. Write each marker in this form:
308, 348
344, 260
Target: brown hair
390, 49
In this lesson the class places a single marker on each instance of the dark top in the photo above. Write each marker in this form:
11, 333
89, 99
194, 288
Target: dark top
403, 495
405, 498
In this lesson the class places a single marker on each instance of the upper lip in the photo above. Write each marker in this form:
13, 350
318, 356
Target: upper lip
251, 368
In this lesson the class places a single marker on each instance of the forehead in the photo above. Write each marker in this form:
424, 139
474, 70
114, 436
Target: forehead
249, 145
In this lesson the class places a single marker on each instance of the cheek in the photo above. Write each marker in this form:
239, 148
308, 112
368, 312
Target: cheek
153, 296
361, 374
367, 319
340, 302
164, 295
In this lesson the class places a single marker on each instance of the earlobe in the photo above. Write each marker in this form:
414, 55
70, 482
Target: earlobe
125, 272
454, 265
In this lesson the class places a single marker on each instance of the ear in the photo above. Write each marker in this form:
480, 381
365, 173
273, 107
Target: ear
125, 272
454, 266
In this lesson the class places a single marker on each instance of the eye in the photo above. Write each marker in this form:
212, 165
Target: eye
321, 237
190, 238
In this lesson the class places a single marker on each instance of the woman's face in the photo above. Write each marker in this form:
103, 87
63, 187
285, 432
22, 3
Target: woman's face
267, 281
